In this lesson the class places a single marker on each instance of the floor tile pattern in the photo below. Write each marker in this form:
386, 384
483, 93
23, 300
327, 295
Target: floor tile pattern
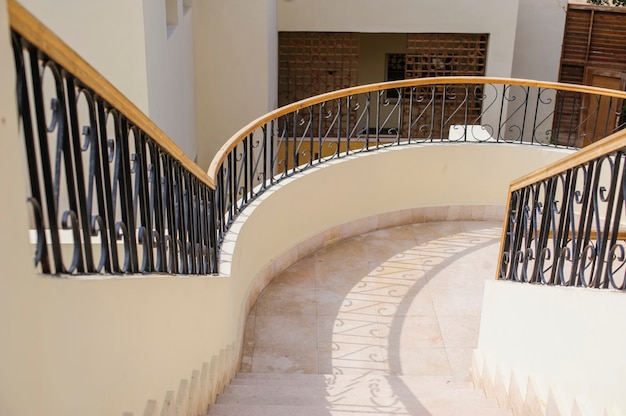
398, 301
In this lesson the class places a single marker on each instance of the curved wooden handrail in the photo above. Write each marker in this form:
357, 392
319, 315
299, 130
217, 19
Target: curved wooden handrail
39, 35
253, 125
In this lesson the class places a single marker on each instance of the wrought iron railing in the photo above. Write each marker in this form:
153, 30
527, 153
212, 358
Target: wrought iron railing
311, 132
566, 224
102, 175
132, 202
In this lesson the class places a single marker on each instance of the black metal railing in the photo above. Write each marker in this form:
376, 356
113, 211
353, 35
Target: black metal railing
108, 193
311, 132
127, 200
568, 227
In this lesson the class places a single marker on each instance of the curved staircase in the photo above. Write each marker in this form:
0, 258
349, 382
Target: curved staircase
384, 323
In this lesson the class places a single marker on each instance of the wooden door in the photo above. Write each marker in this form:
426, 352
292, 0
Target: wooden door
601, 115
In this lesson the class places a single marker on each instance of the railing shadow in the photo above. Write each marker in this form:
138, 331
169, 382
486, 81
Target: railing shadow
376, 310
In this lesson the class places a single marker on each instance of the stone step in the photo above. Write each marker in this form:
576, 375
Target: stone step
348, 393
335, 379
288, 410
359, 400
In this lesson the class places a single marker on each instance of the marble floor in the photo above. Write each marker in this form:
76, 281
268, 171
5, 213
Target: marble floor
399, 301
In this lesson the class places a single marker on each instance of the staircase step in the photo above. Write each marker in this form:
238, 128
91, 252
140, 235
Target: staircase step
360, 400
349, 393
274, 410
289, 378
274, 394
321, 380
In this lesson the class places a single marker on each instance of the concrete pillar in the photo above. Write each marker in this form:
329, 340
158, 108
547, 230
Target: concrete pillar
236, 68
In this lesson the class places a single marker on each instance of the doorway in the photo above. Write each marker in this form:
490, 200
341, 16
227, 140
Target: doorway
602, 115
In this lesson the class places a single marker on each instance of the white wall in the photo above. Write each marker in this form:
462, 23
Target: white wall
128, 43
107, 34
540, 25
170, 73
569, 337
236, 68
496, 17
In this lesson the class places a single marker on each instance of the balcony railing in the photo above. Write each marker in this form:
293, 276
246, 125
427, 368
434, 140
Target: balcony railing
339, 124
132, 202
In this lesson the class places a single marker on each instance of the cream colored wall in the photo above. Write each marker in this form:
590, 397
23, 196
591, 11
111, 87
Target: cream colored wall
235, 52
108, 34
568, 337
170, 73
496, 17
538, 40
376, 183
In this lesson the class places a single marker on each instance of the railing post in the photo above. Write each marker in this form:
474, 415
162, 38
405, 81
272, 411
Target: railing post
214, 230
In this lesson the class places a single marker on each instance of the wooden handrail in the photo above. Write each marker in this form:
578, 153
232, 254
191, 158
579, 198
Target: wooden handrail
621, 235
608, 145
253, 125
39, 35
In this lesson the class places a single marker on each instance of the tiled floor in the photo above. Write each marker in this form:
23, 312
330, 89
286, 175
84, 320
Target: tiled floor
403, 300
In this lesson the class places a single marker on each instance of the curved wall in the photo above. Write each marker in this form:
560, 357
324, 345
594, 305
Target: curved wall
371, 191
106, 346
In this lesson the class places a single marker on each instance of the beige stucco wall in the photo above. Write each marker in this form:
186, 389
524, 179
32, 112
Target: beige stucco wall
570, 338
496, 17
235, 64
18, 376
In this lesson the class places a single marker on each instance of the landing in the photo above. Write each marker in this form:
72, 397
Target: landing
399, 301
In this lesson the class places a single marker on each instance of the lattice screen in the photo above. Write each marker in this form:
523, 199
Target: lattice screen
437, 55
311, 63
445, 54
